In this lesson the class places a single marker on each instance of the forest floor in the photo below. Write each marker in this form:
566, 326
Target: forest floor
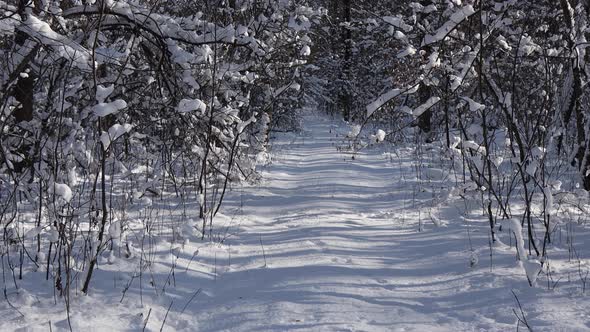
327, 243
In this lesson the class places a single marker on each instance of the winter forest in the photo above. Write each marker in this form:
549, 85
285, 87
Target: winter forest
295, 165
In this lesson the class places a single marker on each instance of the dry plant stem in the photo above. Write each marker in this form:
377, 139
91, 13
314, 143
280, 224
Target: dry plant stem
166, 316
263, 253
190, 300
522, 317
147, 319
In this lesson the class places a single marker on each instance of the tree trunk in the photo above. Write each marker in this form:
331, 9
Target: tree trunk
425, 119
342, 10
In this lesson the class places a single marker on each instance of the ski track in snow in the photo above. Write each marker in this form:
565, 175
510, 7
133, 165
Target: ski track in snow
341, 251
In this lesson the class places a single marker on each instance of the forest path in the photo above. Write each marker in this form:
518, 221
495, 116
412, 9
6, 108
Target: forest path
341, 250
322, 243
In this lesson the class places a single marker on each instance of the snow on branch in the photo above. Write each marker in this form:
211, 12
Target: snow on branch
457, 18
473, 105
457, 81
189, 105
398, 22
426, 106
382, 100
163, 27
392, 94
8, 19
62, 45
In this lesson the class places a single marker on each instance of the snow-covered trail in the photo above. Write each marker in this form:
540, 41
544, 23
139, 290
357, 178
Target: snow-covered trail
328, 243
322, 243
342, 248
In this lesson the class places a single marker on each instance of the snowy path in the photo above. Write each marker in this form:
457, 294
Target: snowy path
330, 266
323, 243
343, 251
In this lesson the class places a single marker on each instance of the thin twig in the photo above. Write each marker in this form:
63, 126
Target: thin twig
263, 253
190, 300
147, 319
522, 317
167, 311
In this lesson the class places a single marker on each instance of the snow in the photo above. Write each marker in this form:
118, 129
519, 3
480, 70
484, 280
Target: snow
63, 46
455, 141
433, 61
456, 18
33, 232
305, 51
63, 190
322, 243
291, 85
498, 161
426, 106
242, 31
379, 136
116, 131
531, 168
473, 105
434, 173
169, 29
531, 266
538, 152
527, 46
422, 9
549, 198
299, 23
189, 105
115, 230
72, 176
472, 145
399, 35
503, 43
103, 92
242, 125
53, 235
409, 50
104, 109
382, 100
7, 26
465, 67
556, 185
355, 130
398, 22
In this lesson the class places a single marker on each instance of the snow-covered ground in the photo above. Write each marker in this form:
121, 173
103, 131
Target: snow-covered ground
323, 243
